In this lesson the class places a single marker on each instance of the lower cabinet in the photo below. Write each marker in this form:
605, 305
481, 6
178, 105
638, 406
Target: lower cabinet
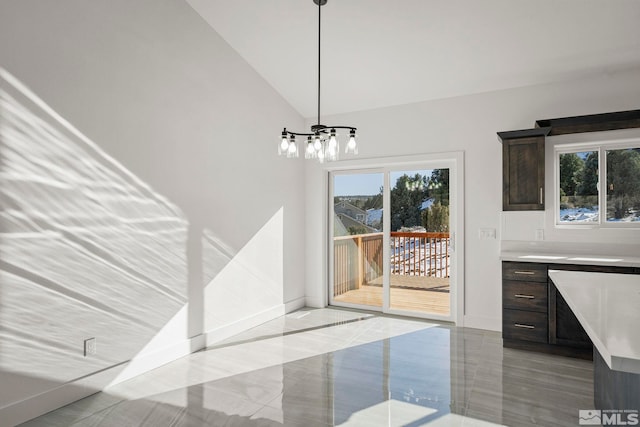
524, 302
536, 317
524, 325
564, 327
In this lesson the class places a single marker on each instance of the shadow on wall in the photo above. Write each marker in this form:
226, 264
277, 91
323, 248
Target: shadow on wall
89, 250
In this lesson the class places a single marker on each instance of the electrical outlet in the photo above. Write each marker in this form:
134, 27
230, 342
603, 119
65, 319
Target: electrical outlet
90, 347
539, 234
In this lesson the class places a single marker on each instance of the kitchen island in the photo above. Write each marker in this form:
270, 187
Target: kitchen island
608, 308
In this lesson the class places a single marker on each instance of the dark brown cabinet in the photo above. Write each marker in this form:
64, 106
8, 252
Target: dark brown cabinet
524, 302
534, 314
564, 327
536, 317
592, 122
523, 169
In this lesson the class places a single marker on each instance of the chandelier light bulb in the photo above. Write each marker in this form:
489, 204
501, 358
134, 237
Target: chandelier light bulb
333, 143
292, 150
352, 146
284, 143
317, 144
310, 152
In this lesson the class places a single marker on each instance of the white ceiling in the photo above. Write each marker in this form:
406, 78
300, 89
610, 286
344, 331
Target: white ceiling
379, 53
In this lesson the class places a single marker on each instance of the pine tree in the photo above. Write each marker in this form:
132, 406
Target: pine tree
571, 166
623, 182
588, 183
436, 218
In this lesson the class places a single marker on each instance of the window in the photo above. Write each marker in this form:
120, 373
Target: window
581, 199
623, 185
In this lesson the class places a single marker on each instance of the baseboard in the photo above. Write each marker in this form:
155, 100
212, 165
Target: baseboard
294, 305
315, 302
482, 322
47, 401
223, 332
70, 392
157, 358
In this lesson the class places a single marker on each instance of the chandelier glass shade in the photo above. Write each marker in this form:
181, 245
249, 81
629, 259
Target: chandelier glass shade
322, 142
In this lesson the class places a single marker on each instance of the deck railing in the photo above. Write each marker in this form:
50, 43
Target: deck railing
358, 258
420, 254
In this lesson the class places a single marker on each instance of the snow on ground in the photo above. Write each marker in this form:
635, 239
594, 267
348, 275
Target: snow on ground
420, 257
591, 215
579, 215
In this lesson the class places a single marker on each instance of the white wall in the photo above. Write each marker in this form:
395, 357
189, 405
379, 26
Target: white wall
469, 124
165, 121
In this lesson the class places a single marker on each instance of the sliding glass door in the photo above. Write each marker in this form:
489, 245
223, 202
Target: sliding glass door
392, 239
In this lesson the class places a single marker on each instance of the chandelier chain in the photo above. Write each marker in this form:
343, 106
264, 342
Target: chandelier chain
319, 27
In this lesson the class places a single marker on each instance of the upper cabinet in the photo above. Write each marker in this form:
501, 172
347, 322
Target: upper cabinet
523, 169
523, 154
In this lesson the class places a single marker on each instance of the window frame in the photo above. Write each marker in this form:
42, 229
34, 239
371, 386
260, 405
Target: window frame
601, 147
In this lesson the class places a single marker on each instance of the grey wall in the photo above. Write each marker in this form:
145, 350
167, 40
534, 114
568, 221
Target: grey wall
172, 218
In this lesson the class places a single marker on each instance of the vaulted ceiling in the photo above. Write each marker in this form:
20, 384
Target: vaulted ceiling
379, 53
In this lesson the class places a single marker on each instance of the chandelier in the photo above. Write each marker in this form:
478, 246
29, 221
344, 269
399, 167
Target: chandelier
322, 142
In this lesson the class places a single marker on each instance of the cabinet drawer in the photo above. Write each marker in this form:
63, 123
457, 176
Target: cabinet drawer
530, 296
524, 325
525, 271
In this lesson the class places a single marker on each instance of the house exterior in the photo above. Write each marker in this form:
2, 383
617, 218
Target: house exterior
347, 209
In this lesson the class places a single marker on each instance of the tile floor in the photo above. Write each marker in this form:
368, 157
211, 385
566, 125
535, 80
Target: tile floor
323, 367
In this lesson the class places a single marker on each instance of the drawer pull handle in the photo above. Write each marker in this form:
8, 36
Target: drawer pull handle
519, 325
527, 272
524, 296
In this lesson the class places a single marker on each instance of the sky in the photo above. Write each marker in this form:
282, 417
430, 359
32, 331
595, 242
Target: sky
367, 184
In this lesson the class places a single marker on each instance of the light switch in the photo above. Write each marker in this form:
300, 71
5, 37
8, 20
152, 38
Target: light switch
487, 233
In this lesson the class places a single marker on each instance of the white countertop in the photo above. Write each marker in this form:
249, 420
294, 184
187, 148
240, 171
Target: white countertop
571, 258
608, 308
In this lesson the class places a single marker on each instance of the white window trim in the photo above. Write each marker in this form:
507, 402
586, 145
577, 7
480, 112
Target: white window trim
601, 147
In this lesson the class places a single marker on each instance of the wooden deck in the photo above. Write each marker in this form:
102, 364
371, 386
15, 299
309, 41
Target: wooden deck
410, 293
415, 282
